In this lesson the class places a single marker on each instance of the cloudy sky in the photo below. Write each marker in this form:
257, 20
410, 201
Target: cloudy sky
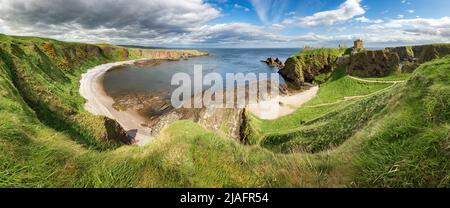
230, 23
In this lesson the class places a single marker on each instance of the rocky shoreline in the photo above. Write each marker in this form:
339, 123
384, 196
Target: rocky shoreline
130, 120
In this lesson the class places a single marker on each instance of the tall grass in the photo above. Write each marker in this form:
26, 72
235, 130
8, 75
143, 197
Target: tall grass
395, 138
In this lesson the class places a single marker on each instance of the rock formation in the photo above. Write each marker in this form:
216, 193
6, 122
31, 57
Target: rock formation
412, 56
274, 62
303, 68
344, 60
374, 63
404, 53
115, 132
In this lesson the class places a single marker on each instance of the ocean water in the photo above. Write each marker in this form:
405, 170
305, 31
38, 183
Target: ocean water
157, 79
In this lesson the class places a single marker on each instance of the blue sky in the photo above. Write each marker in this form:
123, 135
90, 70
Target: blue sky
231, 23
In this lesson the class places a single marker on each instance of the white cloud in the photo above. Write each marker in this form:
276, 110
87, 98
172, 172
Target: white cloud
443, 22
373, 27
406, 2
269, 11
277, 27
409, 31
290, 13
169, 23
346, 11
364, 19
149, 19
237, 6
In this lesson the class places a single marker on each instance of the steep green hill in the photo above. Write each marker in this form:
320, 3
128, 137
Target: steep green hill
393, 137
45, 73
310, 66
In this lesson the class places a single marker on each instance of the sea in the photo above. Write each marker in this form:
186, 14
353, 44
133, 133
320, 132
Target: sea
157, 79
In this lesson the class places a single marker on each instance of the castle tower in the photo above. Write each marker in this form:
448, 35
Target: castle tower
358, 44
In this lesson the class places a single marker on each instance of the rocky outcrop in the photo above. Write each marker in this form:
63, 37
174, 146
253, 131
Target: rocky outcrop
412, 56
405, 53
92, 50
36, 66
274, 62
409, 67
307, 65
303, 68
427, 53
115, 132
374, 63
169, 54
343, 60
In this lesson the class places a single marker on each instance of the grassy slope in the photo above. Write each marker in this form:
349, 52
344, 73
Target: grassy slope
46, 74
329, 51
335, 90
404, 144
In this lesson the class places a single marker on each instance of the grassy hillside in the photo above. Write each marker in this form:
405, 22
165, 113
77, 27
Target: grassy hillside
45, 73
333, 95
397, 137
310, 66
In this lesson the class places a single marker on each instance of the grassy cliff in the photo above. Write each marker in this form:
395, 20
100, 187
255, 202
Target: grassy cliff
45, 73
311, 66
397, 137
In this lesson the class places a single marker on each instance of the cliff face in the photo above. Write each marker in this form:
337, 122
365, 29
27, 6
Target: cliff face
412, 56
168, 54
405, 53
304, 67
46, 74
422, 53
374, 63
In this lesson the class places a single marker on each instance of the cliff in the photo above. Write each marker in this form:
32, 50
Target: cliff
412, 56
45, 73
306, 66
314, 66
355, 144
421, 53
374, 63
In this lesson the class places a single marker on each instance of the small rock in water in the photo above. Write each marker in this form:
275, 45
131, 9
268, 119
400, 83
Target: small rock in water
274, 62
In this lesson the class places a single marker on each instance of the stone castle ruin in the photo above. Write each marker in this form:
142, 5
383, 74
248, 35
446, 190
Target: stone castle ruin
358, 46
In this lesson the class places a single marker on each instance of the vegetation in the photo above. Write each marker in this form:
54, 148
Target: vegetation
331, 97
320, 51
395, 137
312, 66
392, 77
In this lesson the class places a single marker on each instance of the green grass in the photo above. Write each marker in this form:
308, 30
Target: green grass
395, 138
392, 77
412, 146
341, 86
296, 119
320, 51
332, 92
328, 131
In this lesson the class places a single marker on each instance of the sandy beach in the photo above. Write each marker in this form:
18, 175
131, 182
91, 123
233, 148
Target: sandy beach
99, 103
280, 106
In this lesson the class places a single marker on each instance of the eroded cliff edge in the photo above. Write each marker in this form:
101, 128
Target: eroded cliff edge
315, 65
46, 73
306, 66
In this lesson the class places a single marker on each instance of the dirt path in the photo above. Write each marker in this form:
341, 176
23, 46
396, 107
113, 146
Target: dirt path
355, 97
289, 104
99, 103
376, 81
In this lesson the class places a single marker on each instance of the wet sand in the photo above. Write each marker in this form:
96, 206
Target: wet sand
99, 103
